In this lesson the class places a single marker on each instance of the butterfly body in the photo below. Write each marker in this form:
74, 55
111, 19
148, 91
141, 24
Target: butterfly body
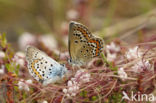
43, 68
83, 46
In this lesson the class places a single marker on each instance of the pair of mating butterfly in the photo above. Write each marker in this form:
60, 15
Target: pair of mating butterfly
83, 46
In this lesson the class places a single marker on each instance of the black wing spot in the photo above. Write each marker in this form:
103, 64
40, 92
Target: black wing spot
76, 41
46, 62
51, 65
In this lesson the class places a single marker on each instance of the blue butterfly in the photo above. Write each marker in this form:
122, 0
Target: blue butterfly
43, 68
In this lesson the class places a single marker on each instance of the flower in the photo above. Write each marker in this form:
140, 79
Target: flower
2, 69
44, 101
112, 51
26, 39
72, 14
73, 85
2, 54
29, 81
82, 76
19, 58
141, 65
122, 73
113, 47
50, 42
24, 85
133, 53
111, 56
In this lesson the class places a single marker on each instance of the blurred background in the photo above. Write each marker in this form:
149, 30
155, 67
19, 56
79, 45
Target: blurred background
28, 21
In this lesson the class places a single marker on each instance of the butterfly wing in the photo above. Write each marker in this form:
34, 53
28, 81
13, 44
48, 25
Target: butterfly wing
90, 50
74, 41
82, 44
42, 67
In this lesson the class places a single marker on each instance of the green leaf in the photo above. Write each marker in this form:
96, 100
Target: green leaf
109, 63
94, 98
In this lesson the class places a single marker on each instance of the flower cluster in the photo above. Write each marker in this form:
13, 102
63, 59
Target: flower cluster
50, 42
26, 39
24, 85
112, 51
19, 58
140, 65
73, 85
122, 73
133, 53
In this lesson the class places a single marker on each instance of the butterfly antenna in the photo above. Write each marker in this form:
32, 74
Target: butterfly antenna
59, 53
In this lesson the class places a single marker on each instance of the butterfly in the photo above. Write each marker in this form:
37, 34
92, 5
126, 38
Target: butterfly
43, 68
82, 45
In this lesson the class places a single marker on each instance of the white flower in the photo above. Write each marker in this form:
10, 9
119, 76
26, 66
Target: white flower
82, 76
141, 65
73, 84
133, 53
2, 69
73, 94
65, 91
122, 73
72, 88
22, 85
72, 14
26, 39
2, 54
19, 58
111, 57
50, 42
29, 81
70, 83
113, 47
44, 101
20, 54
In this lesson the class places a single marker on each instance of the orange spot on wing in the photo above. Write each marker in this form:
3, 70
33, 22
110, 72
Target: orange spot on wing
90, 40
34, 70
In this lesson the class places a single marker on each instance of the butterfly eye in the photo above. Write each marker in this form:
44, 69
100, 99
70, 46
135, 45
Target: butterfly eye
69, 60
